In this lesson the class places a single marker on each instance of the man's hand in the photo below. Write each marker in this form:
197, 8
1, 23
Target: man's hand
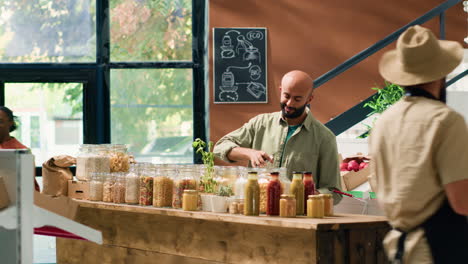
257, 158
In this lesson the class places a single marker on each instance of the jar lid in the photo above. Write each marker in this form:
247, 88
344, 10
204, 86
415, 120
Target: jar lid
252, 172
288, 196
327, 195
308, 173
274, 173
191, 191
315, 197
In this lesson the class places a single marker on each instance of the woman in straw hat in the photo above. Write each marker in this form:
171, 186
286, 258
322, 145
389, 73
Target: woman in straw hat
419, 148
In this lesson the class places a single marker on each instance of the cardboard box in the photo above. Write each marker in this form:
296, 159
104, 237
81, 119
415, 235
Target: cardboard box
352, 179
61, 205
78, 189
4, 199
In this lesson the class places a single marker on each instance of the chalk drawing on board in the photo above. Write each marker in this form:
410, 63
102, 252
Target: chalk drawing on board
254, 34
228, 88
255, 72
256, 89
250, 51
227, 48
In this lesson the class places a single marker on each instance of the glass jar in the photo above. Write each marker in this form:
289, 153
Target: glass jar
263, 180
239, 185
119, 159
96, 186
230, 175
233, 207
287, 205
328, 204
146, 185
190, 200
107, 187
240, 206
273, 194
297, 189
91, 158
132, 185
163, 186
315, 206
252, 195
283, 177
309, 187
118, 191
185, 180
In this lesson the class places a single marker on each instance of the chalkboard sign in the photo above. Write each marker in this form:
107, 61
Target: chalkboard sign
240, 65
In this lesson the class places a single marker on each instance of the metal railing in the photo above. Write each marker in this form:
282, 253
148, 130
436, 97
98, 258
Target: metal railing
358, 113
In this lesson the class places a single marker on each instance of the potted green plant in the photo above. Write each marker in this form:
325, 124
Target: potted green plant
207, 186
384, 98
219, 202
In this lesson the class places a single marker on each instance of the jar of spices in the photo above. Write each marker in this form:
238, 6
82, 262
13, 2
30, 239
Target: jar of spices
273, 194
119, 159
146, 185
163, 187
287, 205
297, 189
252, 195
132, 187
118, 190
185, 180
315, 206
107, 188
309, 187
96, 186
190, 200
328, 204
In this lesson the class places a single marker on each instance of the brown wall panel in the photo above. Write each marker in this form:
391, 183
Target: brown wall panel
316, 36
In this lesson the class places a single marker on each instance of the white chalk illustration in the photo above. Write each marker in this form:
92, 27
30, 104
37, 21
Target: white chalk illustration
255, 72
246, 47
254, 34
256, 89
228, 89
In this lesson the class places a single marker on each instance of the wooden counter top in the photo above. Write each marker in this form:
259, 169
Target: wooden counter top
336, 222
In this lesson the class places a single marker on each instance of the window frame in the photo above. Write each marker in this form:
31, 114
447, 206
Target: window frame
96, 76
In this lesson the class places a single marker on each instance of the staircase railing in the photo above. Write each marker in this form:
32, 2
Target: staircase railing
358, 113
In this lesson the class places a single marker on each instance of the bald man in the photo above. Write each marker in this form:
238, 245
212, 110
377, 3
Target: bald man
291, 138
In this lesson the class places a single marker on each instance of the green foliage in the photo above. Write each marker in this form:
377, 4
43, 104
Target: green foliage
384, 98
207, 182
225, 191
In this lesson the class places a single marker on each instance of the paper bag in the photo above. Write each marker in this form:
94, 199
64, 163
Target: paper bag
56, 174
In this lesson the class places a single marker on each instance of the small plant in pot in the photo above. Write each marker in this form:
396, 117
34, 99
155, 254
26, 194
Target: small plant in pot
207, 186
219, 202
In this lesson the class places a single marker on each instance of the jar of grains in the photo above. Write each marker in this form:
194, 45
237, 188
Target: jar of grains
163, 186
118, 191
91, 158
107, 187
96, 186
132, 185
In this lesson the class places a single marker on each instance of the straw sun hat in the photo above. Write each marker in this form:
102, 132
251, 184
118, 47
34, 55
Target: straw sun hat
419, 58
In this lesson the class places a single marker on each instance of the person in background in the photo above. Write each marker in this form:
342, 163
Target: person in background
8, 125
291, 138
419, 150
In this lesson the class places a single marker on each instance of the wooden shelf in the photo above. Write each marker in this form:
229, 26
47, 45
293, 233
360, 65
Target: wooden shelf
329, 223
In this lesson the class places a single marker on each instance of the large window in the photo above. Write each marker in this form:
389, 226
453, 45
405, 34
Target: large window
105, 71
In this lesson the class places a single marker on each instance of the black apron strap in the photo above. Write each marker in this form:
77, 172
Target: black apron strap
447, 235
400, 248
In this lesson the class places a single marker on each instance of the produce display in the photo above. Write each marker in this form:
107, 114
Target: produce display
354, 164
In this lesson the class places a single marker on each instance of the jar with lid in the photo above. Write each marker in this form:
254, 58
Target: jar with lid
91, 158
241, 180
96, 186
309, 187
263, 179
185, 180
273, 194
190, 200
118, 191
328, 204
252, 195
233, 207
297, 189
132, 185
146, 185
287, 205
119, 158
240, 206
283, 177
315, 206
107, 187
163, 186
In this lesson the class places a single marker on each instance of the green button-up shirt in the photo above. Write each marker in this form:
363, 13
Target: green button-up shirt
312, 147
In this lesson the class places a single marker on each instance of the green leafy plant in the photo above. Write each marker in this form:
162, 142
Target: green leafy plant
225, 191
207, 181
384, 98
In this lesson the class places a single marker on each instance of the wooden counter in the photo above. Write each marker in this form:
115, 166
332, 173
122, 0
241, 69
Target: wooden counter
135, 234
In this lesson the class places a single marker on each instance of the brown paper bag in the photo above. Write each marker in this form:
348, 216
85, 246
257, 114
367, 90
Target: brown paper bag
55, 175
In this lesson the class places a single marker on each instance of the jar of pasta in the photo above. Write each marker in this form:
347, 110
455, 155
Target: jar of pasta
185, 180
118, 191
146, 176
119, 158
163, 186
107, 187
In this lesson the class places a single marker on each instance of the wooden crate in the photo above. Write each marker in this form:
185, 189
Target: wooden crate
134, 234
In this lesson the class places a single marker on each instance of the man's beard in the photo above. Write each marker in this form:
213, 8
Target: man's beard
295, 114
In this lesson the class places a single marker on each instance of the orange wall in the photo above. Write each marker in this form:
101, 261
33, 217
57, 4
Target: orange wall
316, 36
